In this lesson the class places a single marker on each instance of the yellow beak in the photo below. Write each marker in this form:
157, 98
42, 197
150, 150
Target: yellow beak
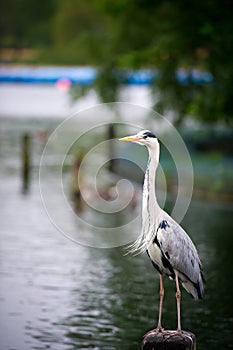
130, 138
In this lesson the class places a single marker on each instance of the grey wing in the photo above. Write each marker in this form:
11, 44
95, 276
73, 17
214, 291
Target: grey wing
179, 249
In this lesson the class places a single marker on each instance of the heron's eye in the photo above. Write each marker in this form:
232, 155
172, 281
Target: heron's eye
145, 137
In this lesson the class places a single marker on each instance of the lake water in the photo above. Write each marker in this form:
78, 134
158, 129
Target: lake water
56, 294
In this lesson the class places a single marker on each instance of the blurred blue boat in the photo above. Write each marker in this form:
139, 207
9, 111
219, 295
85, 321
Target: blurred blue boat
47, 75
87, 75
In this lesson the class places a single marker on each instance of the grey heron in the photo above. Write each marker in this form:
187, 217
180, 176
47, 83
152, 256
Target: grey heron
168, 246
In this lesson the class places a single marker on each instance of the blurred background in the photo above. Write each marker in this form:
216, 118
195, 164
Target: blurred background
63, 57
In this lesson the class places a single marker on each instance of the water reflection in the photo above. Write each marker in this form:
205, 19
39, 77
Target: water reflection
59, 295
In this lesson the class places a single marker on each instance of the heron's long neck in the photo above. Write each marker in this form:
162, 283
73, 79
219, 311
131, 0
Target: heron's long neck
151, 209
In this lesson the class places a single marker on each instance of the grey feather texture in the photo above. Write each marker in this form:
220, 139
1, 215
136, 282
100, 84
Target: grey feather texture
181, 253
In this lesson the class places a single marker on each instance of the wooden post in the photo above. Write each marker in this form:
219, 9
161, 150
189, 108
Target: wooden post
77, 182
25, 162
111, 136
167, 340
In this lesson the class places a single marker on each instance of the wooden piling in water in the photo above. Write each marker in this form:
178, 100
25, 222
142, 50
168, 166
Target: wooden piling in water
76, 182
167, 340
111, 136
25, 167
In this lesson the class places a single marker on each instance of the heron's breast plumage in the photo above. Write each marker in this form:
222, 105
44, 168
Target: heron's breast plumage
157, 255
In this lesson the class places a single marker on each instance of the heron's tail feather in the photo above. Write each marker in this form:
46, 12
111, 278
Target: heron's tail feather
195, 289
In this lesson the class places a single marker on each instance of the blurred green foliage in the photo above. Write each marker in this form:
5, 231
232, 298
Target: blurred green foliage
119, 34
25, 23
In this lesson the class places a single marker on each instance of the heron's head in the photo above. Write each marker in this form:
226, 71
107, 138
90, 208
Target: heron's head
144, 138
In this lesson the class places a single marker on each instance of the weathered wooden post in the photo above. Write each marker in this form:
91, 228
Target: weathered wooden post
169, 340
77, 181
25, 167
111, 136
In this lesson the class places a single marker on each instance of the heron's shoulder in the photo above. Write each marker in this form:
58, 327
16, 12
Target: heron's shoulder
163, 225
167, 224
171, 234
173, 238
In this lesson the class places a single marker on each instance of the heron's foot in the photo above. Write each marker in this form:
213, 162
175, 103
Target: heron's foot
176, 333
156, 330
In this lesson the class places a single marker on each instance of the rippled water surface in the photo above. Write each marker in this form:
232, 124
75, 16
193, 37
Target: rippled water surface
56, 294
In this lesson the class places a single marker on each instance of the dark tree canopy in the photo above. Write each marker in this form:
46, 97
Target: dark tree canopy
169, 35
116, 35
25, 23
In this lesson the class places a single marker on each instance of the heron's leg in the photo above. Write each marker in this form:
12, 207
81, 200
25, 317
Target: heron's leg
159, 327
178, 296
161, 293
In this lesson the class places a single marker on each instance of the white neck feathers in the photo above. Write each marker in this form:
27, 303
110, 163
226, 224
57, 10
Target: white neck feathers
150, 208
